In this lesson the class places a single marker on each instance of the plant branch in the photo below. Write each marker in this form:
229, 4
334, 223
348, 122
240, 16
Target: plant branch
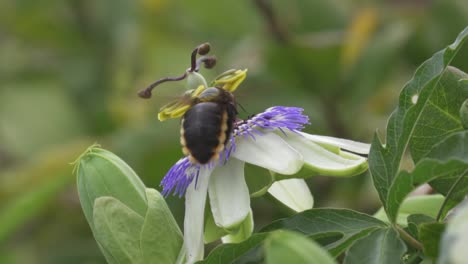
449, 193
265, 8
408, 238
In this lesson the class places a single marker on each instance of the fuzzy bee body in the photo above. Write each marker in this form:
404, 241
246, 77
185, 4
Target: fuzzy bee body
207, 126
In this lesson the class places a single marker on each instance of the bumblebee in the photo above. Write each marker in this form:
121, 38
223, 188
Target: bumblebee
207, 125
208, 113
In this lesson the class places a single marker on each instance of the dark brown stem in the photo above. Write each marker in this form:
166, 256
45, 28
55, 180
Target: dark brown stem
265, 7
146, 93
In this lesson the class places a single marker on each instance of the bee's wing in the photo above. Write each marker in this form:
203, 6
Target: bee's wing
178, 107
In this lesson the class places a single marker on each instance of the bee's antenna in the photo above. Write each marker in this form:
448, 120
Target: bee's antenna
243, 109
146, 93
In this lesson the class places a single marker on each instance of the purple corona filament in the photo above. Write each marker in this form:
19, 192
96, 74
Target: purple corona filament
179, 177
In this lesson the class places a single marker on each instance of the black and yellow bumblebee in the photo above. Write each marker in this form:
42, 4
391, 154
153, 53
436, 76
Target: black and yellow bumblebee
208, 113
207, 125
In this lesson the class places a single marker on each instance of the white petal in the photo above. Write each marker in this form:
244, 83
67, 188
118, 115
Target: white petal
269, 151
324, 161
294, 193
229, 195
353, 146
242, 233
195, 199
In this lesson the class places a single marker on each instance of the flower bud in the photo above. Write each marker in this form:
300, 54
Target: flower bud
131, 224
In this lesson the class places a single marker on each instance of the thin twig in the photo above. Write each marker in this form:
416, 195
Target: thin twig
264, 6
449, 193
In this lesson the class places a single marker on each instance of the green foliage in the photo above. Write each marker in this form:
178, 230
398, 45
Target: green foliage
337, 227
415, 220
440, 115
381, 246
290, 247
250, 250
421, 205
384, 160
430, 235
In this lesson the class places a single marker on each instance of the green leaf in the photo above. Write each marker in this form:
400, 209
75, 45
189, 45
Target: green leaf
429, 235
422, 204
291, 247
343, 226
117, 229
381, 246
250, 250
455, 238
384, 159
336, 228
160, 238
447, 161
455, 147
440, 115
464, 114
415, 220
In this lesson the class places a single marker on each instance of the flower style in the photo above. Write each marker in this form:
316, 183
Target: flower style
272, 140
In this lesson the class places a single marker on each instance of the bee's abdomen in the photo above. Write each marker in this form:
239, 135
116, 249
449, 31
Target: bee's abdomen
204, 131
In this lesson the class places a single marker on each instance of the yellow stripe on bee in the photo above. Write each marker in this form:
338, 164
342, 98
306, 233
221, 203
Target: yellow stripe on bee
215, 157
219, 148
193, 160
182, 127
224, 127
186, 151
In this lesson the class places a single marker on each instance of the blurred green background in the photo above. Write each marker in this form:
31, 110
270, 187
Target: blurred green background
70, 71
